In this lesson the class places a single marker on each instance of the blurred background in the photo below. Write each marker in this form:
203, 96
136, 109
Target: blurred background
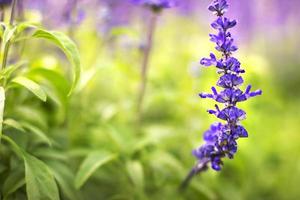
154, 158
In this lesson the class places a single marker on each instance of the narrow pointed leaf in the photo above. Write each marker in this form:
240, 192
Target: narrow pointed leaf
65, 179
13, 124
40, 183
14, 181
92, 162
136, 174
32, 86
36, 131
69, 48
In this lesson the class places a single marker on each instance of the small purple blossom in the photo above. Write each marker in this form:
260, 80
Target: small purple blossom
218, 7
221, 138
156, 5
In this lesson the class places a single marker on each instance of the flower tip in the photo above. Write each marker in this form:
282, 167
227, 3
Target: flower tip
211, 111
255, 93
248, 89
259, 92
214, 90
202, 95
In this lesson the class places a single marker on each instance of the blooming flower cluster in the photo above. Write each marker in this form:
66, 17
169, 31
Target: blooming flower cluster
220, 139
156, 5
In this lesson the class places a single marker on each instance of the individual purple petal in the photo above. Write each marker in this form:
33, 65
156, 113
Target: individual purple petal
206, 95
233, 64
255, 93
212, 111
227, 47
223, 24
216, 163
208, 61
214, 91
204, 151
248, 89
240, 131
229, 81
231, 114
231, 96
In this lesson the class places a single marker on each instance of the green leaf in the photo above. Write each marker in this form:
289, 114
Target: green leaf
86, 78
21, 27
8, 71
50, 154
14, 181
32, 86
26, 127
32, 115
65, 179
136, 174
36, 131
2, 103
14, 124
19, 152
69, 48
53, 77
40, 183
91, 163
7, 36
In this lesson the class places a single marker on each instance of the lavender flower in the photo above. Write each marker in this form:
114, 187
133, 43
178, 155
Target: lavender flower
63, 13
221, 138
5, 2
156, 5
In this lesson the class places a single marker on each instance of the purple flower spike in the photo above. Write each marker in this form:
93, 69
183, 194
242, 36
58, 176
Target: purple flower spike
221, 138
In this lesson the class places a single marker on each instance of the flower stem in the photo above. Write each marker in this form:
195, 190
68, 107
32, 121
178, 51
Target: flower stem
145, 65
12, 13
73, 16
7, 45
2, 13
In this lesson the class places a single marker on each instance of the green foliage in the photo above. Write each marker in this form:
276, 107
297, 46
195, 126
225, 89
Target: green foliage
2, 103
40, 183
89, 146
91, 163
28, 162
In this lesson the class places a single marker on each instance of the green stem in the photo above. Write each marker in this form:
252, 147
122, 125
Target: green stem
145, 65
7, 45
2, 12
5, 55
